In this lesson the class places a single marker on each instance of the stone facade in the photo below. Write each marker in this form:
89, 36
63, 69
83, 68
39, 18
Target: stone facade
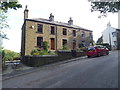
30, 34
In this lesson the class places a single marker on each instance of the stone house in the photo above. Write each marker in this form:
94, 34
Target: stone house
57, 34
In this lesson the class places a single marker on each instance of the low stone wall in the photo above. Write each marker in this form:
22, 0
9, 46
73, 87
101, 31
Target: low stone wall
35, 61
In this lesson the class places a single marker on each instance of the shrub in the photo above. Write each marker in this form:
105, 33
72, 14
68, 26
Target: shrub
65, 47
9, 55
81, 45
45, 45
43, 52
34, 52
82, 49
79, 50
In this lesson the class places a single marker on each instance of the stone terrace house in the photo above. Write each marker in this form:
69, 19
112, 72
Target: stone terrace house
57, 34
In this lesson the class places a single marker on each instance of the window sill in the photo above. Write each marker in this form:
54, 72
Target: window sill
52, 34
38, 46
40, 32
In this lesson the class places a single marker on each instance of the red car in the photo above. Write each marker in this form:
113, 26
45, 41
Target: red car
97, 51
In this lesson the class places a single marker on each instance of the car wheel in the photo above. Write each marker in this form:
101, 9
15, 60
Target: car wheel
88, 56
98, 54
107, 53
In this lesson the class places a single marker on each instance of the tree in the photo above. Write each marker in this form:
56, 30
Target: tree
105, 7
12, 5
4, 6
100, 40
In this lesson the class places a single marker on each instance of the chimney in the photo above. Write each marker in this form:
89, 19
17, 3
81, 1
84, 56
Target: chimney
51, 18
26, 13
70, 22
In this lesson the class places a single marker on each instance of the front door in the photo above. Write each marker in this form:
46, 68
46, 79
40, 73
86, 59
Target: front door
74, 45
52, 44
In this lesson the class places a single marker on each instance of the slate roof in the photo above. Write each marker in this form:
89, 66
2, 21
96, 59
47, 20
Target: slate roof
57, 23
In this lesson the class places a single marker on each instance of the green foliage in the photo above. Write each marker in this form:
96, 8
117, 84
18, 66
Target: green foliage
1, 49
52, 53
3, 19
65, 47
43, 52
100, 40
45, 45
9, 55
4, 6
12, 5
79, 50
81, 45
105, 7
35, 52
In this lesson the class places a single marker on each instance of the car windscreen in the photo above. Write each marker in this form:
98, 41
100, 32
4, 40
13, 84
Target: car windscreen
91, 48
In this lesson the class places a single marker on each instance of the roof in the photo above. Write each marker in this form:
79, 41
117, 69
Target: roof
57, 23
115, 28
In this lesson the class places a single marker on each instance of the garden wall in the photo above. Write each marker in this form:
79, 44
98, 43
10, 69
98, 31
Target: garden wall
37, 60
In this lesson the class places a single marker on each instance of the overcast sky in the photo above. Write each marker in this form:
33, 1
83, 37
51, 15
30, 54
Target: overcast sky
79, 10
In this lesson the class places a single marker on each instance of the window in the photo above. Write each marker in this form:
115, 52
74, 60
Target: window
90, 35
84, 43
52, 30
90, 44
39, 41
64, 31
74, 33
40, 28
64, 42
114, 34
83, 34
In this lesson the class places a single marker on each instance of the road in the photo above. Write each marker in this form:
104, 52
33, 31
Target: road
98, 72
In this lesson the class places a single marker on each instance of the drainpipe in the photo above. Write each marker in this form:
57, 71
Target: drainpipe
56, 38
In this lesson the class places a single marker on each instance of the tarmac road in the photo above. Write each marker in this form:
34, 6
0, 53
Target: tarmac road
98, 72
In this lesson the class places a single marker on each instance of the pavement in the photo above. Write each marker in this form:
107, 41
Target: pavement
10, 73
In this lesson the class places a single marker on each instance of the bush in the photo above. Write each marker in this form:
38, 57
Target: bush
43, 52
81, 45
45, 45
34, 52
8, 55
65, 47
52, 53
82, 49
